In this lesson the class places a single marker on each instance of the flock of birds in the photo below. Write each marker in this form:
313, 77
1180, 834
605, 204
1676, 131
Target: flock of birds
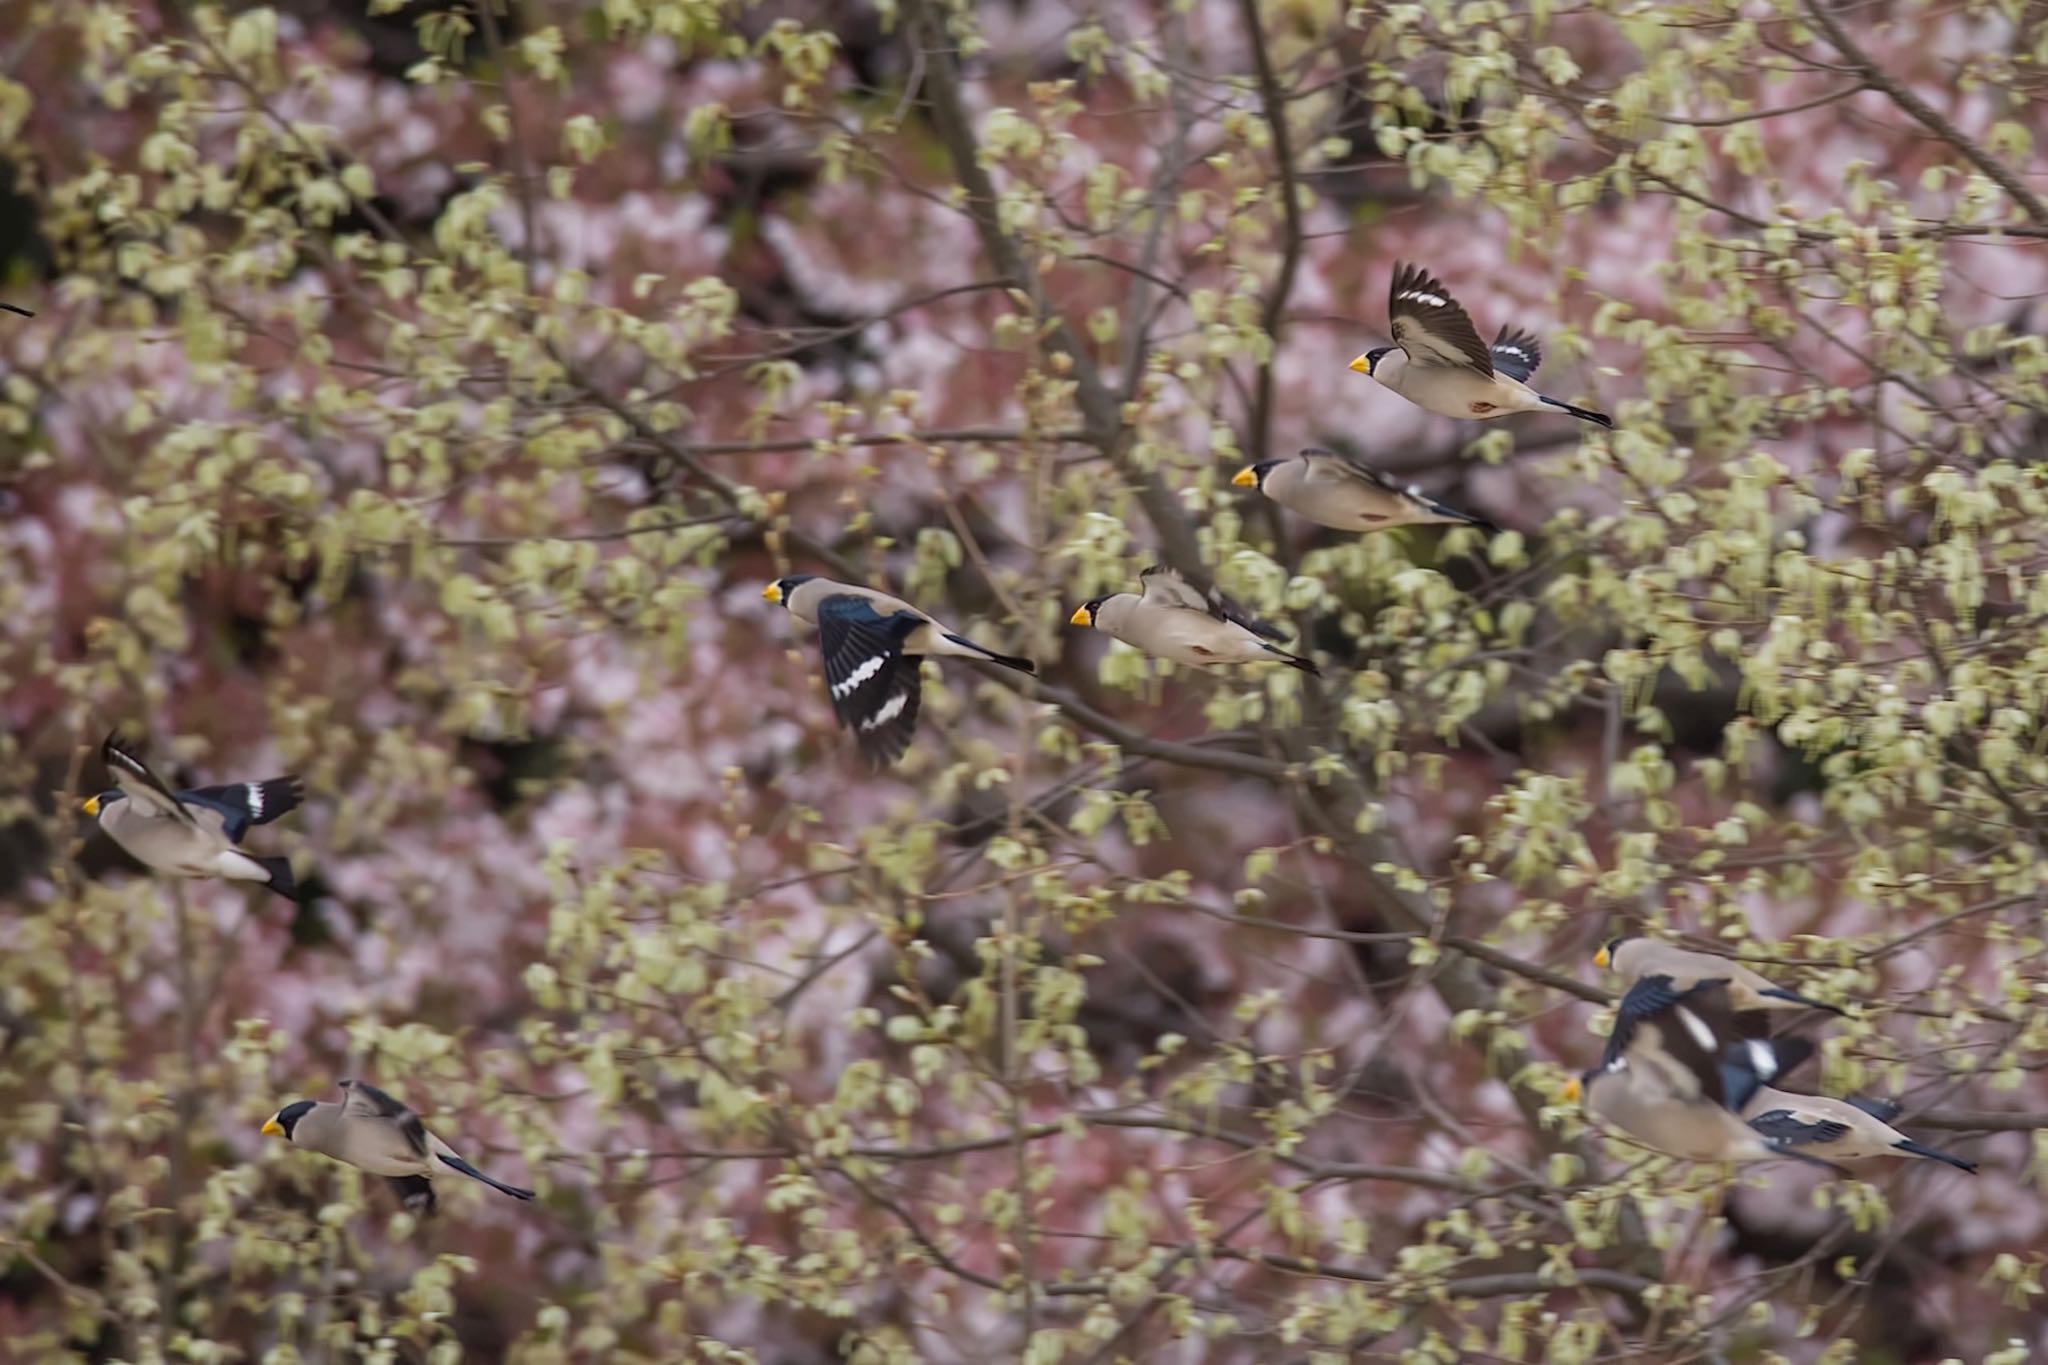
1686, 1065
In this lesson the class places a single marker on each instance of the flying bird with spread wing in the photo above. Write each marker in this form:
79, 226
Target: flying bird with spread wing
1438, 362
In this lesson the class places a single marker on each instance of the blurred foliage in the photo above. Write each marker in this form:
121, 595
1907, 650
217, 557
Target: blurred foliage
421, 392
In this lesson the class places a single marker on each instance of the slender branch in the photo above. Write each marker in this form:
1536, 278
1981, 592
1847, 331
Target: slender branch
1101, 410
1275, 105
1877, 78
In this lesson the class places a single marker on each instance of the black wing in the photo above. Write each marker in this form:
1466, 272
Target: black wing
1429, 325
1516, 353
137, 782
415, 1193
1884, 1111
243, 804
1747, 1063
1648, 998
874, 686
1223, 609
1782, 1125
367, 1101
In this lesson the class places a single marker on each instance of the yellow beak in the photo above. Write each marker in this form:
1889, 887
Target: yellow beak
91, 806
1245, 478
272, 1128
1571, 1091
1600, 959
1080, 617
1362, 365
772, 593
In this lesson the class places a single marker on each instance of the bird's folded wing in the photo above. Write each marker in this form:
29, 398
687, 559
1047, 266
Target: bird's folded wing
1782, 1125
366, 1101
242, 804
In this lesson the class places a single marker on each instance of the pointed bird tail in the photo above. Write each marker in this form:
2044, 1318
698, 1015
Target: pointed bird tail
1935, 1154
280, 878
1780, 993
1583, 414
1452, 514
1294, 660
1022, 665
474, 1174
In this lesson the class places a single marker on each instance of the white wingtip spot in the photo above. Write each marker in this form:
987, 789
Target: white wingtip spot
867, 669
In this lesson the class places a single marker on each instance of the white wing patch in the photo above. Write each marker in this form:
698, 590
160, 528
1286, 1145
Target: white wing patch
1432, 300
1697, 1027
867, 669
888, 710
1762, 1060
253, 798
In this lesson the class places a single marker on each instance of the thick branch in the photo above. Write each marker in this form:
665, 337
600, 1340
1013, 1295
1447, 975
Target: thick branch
1101, 411
1877, 78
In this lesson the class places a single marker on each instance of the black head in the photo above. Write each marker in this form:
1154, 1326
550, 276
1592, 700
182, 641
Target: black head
1605, 957
781, 588
286, 1119
1254, 476
1084, 615
94, 805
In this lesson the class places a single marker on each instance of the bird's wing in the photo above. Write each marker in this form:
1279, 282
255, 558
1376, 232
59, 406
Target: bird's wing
1516, 353
1884, 1111
138, 783
1428, 324
366, 1101
873, 685
1166, 587
1328, 466
243, 804
1648, 998
1784, 1126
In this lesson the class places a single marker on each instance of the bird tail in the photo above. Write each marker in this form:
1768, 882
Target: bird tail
1022, 665
1780, 993
1293, 660
1583, 414
1935, 1154
474, 1174
279, 878
415, 1193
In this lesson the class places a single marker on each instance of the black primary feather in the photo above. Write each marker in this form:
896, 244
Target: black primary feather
1884, 1111
1783, 1126
245, 804
415, 1194
1516, 353
873, 685
1649, 997
1748, 1063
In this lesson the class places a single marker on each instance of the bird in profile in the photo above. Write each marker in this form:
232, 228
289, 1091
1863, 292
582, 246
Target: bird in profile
192, 833
874, 646
1345, 495
1169, 619
1677, 1074
1633, 957
376, 1133
1438, 362
1849, 1129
